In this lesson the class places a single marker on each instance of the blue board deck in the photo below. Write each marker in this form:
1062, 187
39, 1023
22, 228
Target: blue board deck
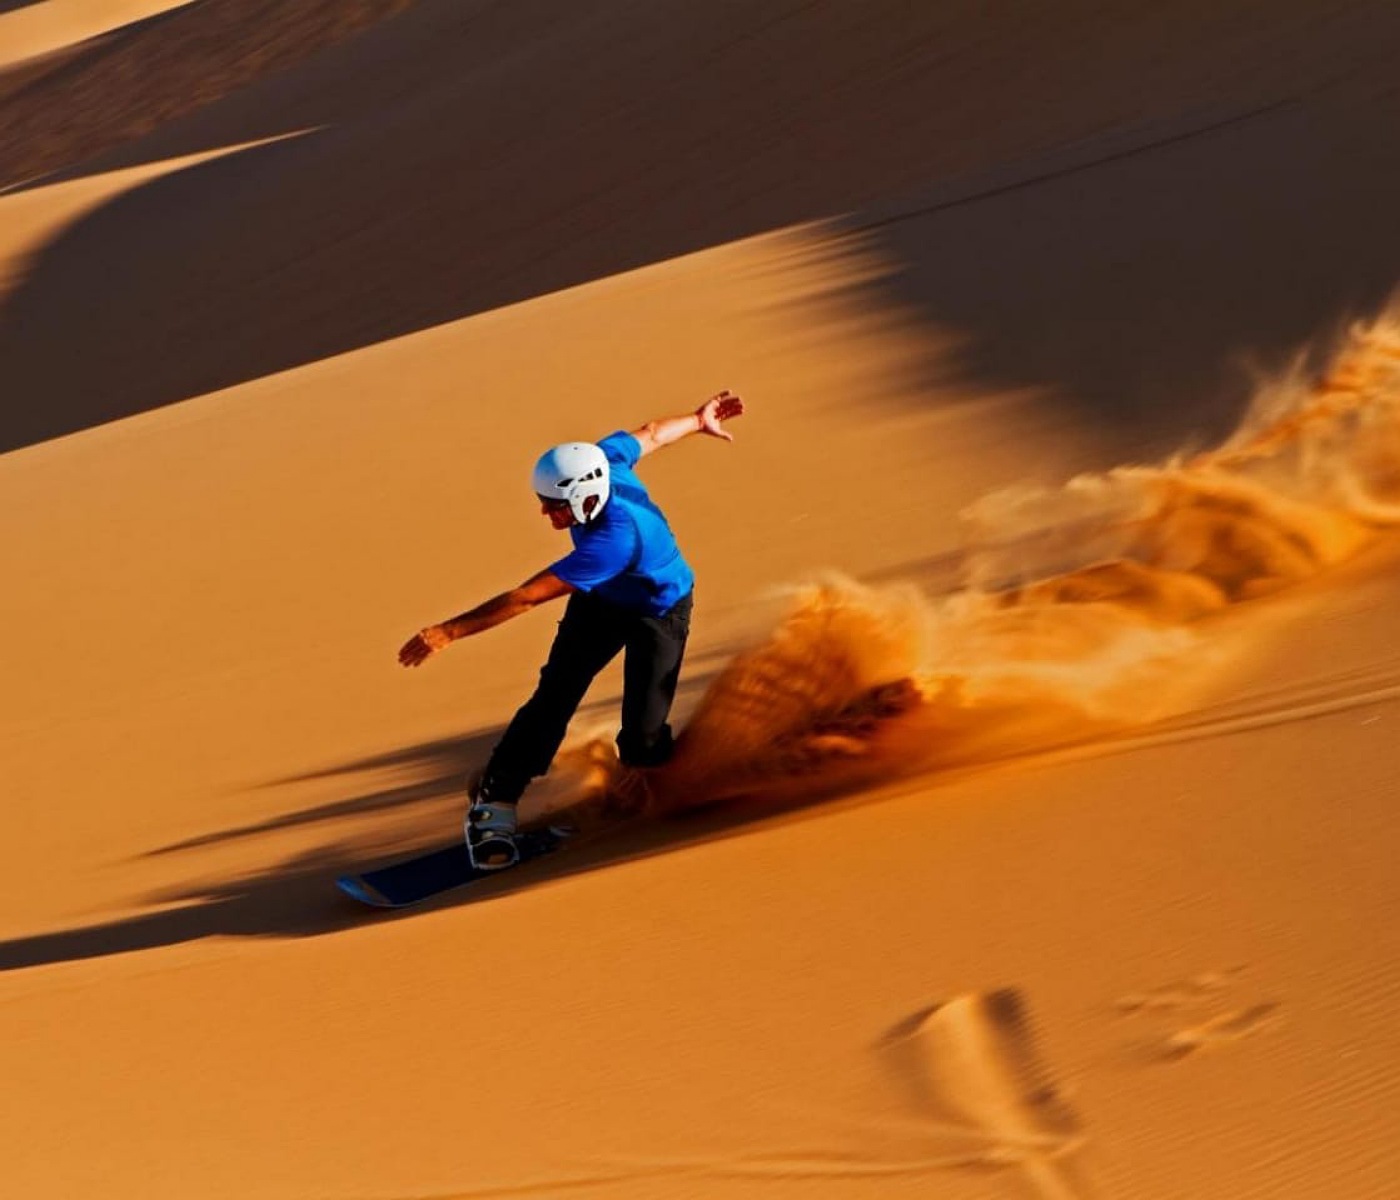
417, 879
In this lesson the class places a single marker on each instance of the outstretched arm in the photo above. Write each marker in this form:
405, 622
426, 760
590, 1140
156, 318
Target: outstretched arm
707, 418
538, 589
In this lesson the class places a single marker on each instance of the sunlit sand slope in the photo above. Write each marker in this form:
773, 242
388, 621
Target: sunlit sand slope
32, 30
115, 71
1040, 706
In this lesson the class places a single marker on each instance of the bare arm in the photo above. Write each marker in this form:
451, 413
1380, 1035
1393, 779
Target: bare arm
538, 589
707, 418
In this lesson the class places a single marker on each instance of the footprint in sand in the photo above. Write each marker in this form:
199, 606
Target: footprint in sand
1227, 1027
973, 1063
984, 1100
1183, 993
1199, 992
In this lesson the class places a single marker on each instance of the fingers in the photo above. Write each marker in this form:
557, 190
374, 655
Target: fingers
425, 643
722, 406
414, 651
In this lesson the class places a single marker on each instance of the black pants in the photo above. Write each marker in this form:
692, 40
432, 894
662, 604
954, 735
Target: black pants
590, 636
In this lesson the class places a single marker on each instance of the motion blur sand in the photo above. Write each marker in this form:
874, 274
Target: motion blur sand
1078, 618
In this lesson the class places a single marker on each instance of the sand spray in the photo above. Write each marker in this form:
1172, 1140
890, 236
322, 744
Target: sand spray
1076, 617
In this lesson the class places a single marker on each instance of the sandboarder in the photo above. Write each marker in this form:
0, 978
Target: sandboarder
628, 588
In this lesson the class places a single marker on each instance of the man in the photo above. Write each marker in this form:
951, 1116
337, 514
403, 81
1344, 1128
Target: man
628, 588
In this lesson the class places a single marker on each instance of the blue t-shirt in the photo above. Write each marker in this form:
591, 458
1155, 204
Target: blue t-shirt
627, 553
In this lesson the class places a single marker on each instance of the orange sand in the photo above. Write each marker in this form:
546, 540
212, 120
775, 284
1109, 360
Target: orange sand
30, 30
1057, 858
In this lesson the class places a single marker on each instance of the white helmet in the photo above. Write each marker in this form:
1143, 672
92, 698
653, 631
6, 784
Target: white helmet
573, 472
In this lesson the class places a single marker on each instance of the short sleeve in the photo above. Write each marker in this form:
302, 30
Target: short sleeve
603, 553
621, 449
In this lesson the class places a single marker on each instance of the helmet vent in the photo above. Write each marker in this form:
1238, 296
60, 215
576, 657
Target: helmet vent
572, 473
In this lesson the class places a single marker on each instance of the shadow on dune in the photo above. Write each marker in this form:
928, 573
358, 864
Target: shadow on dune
297, 897
410, 789
294, 898
415, 793
470, 155
1152, 274
437, 769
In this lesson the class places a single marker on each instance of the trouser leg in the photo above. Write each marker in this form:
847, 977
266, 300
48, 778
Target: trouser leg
651, 671
589, 637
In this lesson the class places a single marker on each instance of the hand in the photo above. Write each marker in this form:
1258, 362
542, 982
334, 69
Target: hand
423, 645
717, 408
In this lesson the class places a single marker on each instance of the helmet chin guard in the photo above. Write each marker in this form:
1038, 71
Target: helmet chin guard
573, 472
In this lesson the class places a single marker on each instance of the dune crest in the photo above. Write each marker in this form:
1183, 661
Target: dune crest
1077, 615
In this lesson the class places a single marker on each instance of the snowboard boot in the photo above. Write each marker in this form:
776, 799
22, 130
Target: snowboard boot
490, 828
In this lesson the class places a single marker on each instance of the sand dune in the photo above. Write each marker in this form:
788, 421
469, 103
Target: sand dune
442, 182
36, 28
1032, 831
151, 64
